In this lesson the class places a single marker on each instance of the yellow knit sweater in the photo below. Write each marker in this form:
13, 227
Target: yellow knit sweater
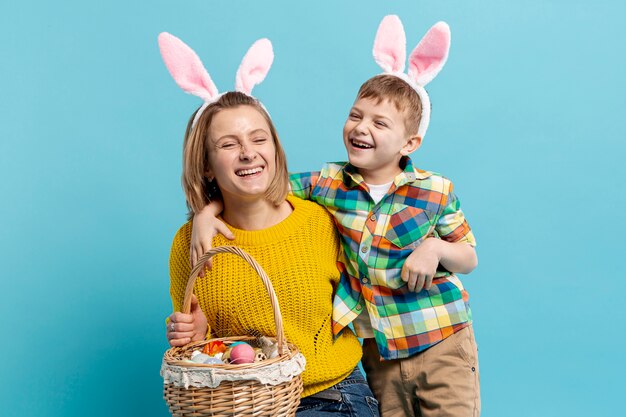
299, 255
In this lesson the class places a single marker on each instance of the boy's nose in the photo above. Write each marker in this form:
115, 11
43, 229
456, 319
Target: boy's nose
361, 127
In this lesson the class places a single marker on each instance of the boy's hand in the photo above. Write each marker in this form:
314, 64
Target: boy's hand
205, 227
186, 328
421, 265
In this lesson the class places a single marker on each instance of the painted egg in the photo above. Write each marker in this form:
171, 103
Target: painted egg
242, 353
211, 360
199, 358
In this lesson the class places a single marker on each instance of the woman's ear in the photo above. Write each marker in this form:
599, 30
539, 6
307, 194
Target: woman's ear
411, 145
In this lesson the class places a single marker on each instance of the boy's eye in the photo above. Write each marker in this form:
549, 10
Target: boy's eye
354, 116
381, 124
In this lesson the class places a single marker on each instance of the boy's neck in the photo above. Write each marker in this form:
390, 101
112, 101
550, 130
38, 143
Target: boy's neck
379, 176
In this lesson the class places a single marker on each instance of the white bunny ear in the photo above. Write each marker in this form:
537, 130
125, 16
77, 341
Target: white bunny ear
390, 45
430, 55
254, 66
186, 68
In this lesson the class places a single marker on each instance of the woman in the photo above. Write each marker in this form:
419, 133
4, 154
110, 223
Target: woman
232, 153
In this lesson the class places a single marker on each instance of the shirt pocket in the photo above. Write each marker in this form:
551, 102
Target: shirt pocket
408, 226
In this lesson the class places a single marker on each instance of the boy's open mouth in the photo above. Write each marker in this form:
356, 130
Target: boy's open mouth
248, 172
361, 145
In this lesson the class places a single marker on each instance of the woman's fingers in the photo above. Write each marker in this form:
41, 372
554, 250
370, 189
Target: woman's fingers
428, 282
179, 317
412, 281
421, 278
180, 327
179, 342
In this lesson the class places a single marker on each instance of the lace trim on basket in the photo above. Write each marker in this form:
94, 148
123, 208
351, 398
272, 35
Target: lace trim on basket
273, 374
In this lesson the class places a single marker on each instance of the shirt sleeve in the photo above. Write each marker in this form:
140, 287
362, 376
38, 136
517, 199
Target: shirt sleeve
451, 224
303, 183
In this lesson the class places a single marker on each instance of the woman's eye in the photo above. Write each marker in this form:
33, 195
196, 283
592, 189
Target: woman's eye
260, 140
227, 145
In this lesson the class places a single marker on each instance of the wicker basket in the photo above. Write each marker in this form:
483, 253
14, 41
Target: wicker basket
249, 397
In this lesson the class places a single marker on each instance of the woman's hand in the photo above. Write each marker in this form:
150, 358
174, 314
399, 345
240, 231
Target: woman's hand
186, 328
421, 265
205, 227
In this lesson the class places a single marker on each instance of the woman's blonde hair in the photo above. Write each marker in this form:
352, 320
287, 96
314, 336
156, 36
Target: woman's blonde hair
199, 190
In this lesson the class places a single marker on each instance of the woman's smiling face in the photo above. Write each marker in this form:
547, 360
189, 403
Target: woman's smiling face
242, 154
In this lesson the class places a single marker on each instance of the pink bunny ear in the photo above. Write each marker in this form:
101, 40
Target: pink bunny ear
430, 55
390, 45
254, 66
186, 68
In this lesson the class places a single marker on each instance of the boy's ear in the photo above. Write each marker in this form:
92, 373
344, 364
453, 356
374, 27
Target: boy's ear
411, 145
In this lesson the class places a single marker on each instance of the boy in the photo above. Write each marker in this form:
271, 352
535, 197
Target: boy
403, 235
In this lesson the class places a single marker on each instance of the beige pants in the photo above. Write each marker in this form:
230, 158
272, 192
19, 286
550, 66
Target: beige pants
440, 381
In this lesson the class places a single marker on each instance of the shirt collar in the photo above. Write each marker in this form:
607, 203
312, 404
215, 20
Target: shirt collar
408, 175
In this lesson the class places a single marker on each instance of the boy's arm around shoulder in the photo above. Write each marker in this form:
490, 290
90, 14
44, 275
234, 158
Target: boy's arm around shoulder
205, 227
313, 185
301, 184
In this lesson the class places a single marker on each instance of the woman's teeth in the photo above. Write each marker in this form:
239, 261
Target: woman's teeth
244, 172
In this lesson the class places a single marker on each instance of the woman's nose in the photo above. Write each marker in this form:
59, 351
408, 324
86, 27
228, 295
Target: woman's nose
247, 153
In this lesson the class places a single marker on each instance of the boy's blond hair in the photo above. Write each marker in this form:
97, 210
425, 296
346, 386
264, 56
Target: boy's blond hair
199, 190
400, 93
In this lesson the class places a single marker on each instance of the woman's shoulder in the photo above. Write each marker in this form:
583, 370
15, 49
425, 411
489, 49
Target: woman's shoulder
309, 207
312, 213
182, 238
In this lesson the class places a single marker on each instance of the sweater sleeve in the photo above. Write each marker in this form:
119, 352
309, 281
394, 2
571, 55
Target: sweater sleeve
179, 266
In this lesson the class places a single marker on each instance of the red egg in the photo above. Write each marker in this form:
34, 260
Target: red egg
242, 353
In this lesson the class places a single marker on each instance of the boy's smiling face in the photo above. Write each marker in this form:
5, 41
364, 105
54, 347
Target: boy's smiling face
376, 139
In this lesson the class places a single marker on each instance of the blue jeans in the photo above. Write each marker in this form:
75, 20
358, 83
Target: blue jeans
356, 400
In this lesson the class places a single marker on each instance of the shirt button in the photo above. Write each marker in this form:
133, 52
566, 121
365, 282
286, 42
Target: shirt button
364, 249
358, 307
364, 280
373, 217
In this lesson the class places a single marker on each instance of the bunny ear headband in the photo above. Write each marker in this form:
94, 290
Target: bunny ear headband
190, 75
425, 62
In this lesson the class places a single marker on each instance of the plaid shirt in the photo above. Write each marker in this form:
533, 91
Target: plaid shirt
377, 239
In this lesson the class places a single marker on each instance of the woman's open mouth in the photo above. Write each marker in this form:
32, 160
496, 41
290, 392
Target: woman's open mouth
248, 172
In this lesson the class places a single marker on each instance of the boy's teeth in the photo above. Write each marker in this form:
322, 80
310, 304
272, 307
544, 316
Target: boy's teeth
361, 145
244, 172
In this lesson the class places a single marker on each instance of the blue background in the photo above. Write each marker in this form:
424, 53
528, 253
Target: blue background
528, 121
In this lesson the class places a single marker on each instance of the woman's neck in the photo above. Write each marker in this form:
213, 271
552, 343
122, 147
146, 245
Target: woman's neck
255, 214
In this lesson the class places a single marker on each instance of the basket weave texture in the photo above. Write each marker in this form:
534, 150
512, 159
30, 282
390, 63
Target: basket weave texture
246, 396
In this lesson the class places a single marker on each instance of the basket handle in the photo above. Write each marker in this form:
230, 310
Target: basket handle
278, 319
